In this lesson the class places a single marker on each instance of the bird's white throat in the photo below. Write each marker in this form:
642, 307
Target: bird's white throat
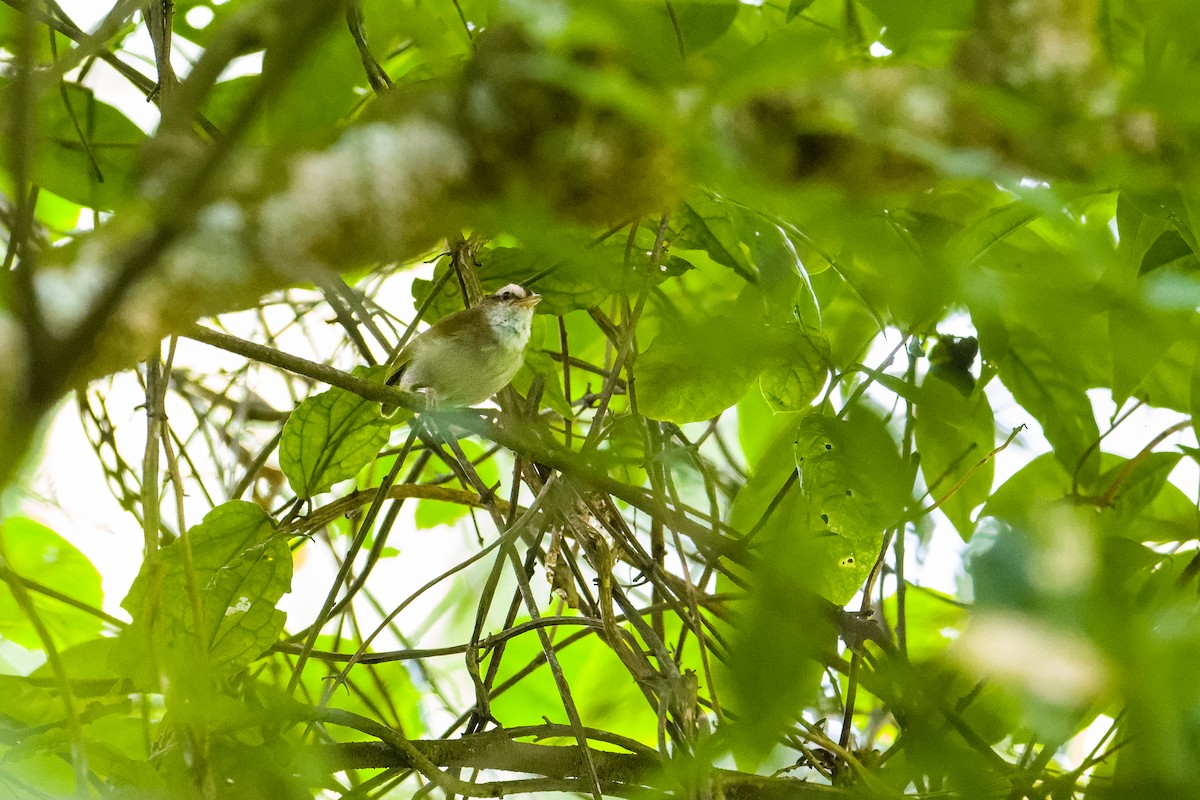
510, 324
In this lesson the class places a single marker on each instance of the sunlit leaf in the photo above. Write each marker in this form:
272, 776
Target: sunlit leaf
36, 553
241, 568
694, 372
793, 384
329, 438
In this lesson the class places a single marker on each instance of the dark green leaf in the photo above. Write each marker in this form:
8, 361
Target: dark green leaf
701, 22
1147, 507
1167, 248
1169, 206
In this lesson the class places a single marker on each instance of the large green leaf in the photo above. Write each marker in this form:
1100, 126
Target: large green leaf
851, 473
600, 686
711, 225
953, 433
569, 276
854, 486
798, 374
1146, 506
242, 567
758, 426
329, 438
36, 553
694, 372
779, 639
1141, 328
581, 281
1025, 495
86, 150
1051, 389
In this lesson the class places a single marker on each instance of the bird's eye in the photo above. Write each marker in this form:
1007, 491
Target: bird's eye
506, 295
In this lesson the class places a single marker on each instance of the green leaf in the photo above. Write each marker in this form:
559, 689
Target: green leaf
974, 240
758, 426
36, 553
907, 23
329, 438
1147, 507
773, 669
242, 568
711, 225
701, 22
795, 383
694, 372
580, 282
1026, 494
1138, 339
1168, 248
320, 91
1170, 206
1140, 331
1194, 394
775, 660
92, 164
851, 473
26, 704
431, 513
599, 684
952, 434
87, 661
796, 7
1049, 388
781, 273
569, 277
933, 620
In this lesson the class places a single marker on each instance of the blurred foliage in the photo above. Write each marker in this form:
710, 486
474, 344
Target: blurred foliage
827, 286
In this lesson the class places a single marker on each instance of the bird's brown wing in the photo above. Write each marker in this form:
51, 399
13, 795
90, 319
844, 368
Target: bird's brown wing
452, 326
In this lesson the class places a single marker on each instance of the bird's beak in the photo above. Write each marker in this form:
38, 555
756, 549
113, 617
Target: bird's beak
530, 302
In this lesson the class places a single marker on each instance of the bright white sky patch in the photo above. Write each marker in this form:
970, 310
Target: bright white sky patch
199, 17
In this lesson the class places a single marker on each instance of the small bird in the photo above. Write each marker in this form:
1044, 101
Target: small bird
468, 356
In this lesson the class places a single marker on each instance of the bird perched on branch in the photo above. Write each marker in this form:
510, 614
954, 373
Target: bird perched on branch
468, 356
